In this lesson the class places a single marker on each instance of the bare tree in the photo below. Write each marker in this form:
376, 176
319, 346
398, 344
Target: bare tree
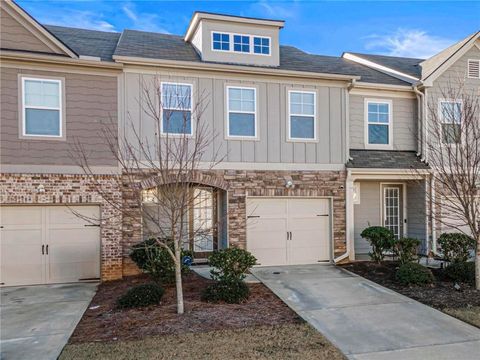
453, 150
162, 167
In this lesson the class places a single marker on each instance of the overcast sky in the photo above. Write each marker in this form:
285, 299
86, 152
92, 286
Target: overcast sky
400, 28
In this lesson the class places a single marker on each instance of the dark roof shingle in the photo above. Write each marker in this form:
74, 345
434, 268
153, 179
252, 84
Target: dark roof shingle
100, 44
409, 66
384, 159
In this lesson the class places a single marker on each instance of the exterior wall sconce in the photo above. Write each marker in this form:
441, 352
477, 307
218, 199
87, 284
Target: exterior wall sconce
289, 182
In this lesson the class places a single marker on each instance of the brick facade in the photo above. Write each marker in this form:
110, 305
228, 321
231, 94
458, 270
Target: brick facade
240, 184
23, 189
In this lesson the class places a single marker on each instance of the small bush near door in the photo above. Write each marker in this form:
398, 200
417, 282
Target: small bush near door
155, 260
406, 249
141, 295
412, 273
229, 271
462, 272
456, 247
381, 240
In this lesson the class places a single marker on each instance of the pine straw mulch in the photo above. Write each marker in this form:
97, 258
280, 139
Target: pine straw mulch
103, 322
440, 295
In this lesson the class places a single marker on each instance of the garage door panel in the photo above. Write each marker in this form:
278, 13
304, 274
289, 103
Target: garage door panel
267, 208
73, 249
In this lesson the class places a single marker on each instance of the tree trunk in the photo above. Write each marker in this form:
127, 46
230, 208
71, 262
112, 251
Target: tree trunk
178, 278
477, 265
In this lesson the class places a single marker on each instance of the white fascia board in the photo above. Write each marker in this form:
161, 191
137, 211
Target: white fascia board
389, 71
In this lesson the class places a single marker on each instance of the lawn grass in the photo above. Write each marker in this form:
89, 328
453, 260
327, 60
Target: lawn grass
289, 341
470, 315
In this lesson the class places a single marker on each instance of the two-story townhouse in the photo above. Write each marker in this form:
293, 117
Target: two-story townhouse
57, 91
430, 81
315, 148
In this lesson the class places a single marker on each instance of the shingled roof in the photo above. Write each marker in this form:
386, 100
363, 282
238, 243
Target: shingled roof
409, 66
100, 44
382, 159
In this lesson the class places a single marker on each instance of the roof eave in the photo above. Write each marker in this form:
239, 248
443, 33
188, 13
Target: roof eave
230, 68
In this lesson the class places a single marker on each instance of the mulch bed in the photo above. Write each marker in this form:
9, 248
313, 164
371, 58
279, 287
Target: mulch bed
441, 294
107, 323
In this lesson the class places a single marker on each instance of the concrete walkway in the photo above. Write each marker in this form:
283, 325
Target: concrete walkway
37, 321
367, 321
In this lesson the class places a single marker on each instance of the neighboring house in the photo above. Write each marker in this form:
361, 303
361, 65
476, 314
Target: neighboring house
316, 148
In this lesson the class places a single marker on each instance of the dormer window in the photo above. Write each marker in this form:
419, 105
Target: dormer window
241, 43
261, 45
221, 41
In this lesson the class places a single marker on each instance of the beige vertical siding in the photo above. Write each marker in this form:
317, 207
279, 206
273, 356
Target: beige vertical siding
91, 104
272, 145
404, 122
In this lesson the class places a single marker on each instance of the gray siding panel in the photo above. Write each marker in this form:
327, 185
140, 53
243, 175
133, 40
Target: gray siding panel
404, 122
367, 213
272, 119
416, 214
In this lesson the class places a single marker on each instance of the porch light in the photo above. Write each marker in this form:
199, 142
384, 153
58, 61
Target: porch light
289, 182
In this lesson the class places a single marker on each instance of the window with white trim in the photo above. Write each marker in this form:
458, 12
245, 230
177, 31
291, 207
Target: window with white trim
241, 112
450, 113
261, 45
379, 118
220, 41
474, 68
42, 107
301, 117
241, 43
176, 109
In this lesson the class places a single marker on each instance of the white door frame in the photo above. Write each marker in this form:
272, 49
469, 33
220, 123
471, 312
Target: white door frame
331, 245
402, 223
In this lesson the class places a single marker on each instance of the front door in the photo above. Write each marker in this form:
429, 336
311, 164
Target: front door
203, 213
392, 209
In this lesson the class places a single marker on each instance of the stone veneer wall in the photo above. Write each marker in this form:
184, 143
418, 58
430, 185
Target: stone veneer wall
74, 189
240, 184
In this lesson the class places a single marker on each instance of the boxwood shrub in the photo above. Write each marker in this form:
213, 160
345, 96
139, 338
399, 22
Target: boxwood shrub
412, 273
232, 292
462, 272
381, 239
456, 247
141, 295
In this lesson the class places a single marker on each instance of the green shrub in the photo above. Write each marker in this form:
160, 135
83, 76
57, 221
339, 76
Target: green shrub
155, 260
406, 249
141, 295
412, 273
463, 272
381, 239
456, 247
230, 265
232, 292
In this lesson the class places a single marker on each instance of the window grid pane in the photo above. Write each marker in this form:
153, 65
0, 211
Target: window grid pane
241, 112
378, 117
176, 96
261, 45
42, 93
302, 103
241, 43
221, 41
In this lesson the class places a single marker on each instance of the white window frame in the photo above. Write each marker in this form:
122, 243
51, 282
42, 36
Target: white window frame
227, 127
442, 120
262, 37
388, 146
229, 41
468, 68
290, 114
192, 127
25, 107
231, 34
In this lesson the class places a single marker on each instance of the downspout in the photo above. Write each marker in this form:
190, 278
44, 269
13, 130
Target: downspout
420, 98
433, 215
348, 181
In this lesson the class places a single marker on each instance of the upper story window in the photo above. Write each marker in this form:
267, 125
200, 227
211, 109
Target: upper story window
241, 112
378, 114
241, 43
301, 117
176, 109
261, 45
450, 113
221, 41
42, 107
474, 69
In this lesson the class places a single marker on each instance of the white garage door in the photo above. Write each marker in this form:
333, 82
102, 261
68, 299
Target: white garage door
48, 244
283, 231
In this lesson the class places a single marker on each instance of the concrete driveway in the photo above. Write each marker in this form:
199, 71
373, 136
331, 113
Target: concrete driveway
367, 321
36, 321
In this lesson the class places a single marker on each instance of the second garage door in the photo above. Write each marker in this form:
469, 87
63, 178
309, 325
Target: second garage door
287, 231
49, 244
